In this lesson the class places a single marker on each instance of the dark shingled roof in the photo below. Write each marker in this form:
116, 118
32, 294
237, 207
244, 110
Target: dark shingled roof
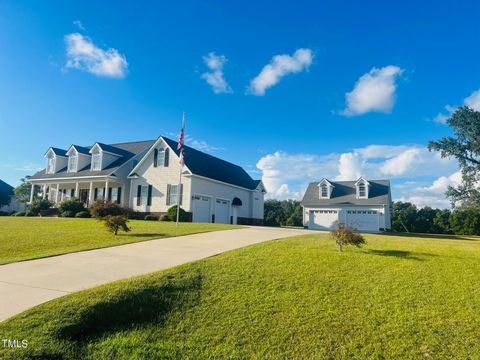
126, 150
214, 168
82, 149
59, 152
344, 193
5, 188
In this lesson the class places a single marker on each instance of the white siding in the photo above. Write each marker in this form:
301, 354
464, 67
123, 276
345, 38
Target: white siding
159, 177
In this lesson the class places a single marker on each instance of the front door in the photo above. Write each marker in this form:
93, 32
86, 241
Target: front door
83, 196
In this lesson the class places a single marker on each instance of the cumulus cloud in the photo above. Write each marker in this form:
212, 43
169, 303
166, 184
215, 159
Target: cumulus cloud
432, 195
472, 101
374, 91
215, 77
283, 171
83, 54
280, 66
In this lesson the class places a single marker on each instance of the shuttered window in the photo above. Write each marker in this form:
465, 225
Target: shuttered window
139, 193
149, 195
155, 157
166, 157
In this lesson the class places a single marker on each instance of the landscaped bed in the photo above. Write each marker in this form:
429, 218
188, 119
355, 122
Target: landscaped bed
24, 238
397, 297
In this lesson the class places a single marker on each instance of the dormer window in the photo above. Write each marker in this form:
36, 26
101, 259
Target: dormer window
362, 186
324, 189
362, 192
72, 163
50, 165
97, 161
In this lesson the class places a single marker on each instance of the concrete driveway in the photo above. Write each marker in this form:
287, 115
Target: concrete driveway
29, 283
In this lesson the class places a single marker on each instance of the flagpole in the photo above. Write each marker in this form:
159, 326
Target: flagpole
179, 187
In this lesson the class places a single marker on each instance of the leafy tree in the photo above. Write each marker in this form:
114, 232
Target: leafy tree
116, 222
344, 236
465, 147
101, 209
424, 220
466, 221
172, 214
22, 191
274, 214
441, 223
404, 215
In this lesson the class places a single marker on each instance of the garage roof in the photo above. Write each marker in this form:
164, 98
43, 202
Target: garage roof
344, 193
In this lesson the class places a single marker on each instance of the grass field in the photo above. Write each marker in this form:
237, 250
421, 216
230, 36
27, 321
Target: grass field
23, 238
398, 297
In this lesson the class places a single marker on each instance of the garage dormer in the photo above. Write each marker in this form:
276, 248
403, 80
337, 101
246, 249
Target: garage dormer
102, 156
78, 158
325, 189
56, 160
362, 186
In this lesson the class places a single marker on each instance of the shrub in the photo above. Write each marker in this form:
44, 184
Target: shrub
83, 214
101, 209
30, 213
465, 221
20, 213
344, 236
72, 205
116, 222
67, 214
164, 218
172, 214
38, 205
151, 217
4, 213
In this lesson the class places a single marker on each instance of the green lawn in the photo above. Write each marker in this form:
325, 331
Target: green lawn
23, 238
398, 297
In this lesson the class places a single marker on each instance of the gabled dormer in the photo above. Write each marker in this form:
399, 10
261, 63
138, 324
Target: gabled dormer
325, 189
103, 155
56, 160
78, 158
362, 188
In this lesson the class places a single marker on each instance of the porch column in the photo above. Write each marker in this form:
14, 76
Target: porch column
56, 193
76, 190
122, 195
105, 194
44, 191
90, 194
31, 192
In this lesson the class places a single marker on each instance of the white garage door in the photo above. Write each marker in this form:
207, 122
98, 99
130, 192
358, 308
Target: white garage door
201, 209
323, 219
222, 213
362, 220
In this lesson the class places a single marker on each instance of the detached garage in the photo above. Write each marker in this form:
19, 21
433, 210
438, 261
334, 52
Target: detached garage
361, 205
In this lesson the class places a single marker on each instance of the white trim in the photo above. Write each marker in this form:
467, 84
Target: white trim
71, 178
221, 182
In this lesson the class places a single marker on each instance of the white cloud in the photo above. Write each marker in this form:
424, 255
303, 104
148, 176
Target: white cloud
79, 25
473, 100
215, 78
287, 175
280, 66
374, 91
84, 55
30, 167
432, 195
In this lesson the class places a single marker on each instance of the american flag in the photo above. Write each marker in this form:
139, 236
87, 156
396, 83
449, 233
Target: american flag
181, 137
182, 157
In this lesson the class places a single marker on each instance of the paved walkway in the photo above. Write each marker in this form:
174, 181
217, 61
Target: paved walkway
29, 283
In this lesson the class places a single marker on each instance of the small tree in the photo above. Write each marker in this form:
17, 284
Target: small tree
101, 209
344, 236
116, 222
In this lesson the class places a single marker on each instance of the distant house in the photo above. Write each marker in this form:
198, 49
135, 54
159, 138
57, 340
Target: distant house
144, 176
13, 206
364, 205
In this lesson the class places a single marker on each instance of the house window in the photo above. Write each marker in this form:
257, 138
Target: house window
51, 165
173, 194
72, 163
362, 191
324, 191
96, 162
144, 195
161, 157
114, 194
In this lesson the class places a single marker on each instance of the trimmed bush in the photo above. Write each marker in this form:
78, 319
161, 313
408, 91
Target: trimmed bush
68, 214
344, 236
20, 213
172, 214
38, 205
164, 218
4, 213
101, 209
72, 205
116, 222
83, 214
151, 217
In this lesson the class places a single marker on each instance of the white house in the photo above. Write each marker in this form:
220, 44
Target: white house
144, 176
363, 205
14, 205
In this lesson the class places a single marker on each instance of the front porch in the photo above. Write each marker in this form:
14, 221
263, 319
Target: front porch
87, 191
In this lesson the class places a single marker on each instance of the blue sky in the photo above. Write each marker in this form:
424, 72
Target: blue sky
359, 90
